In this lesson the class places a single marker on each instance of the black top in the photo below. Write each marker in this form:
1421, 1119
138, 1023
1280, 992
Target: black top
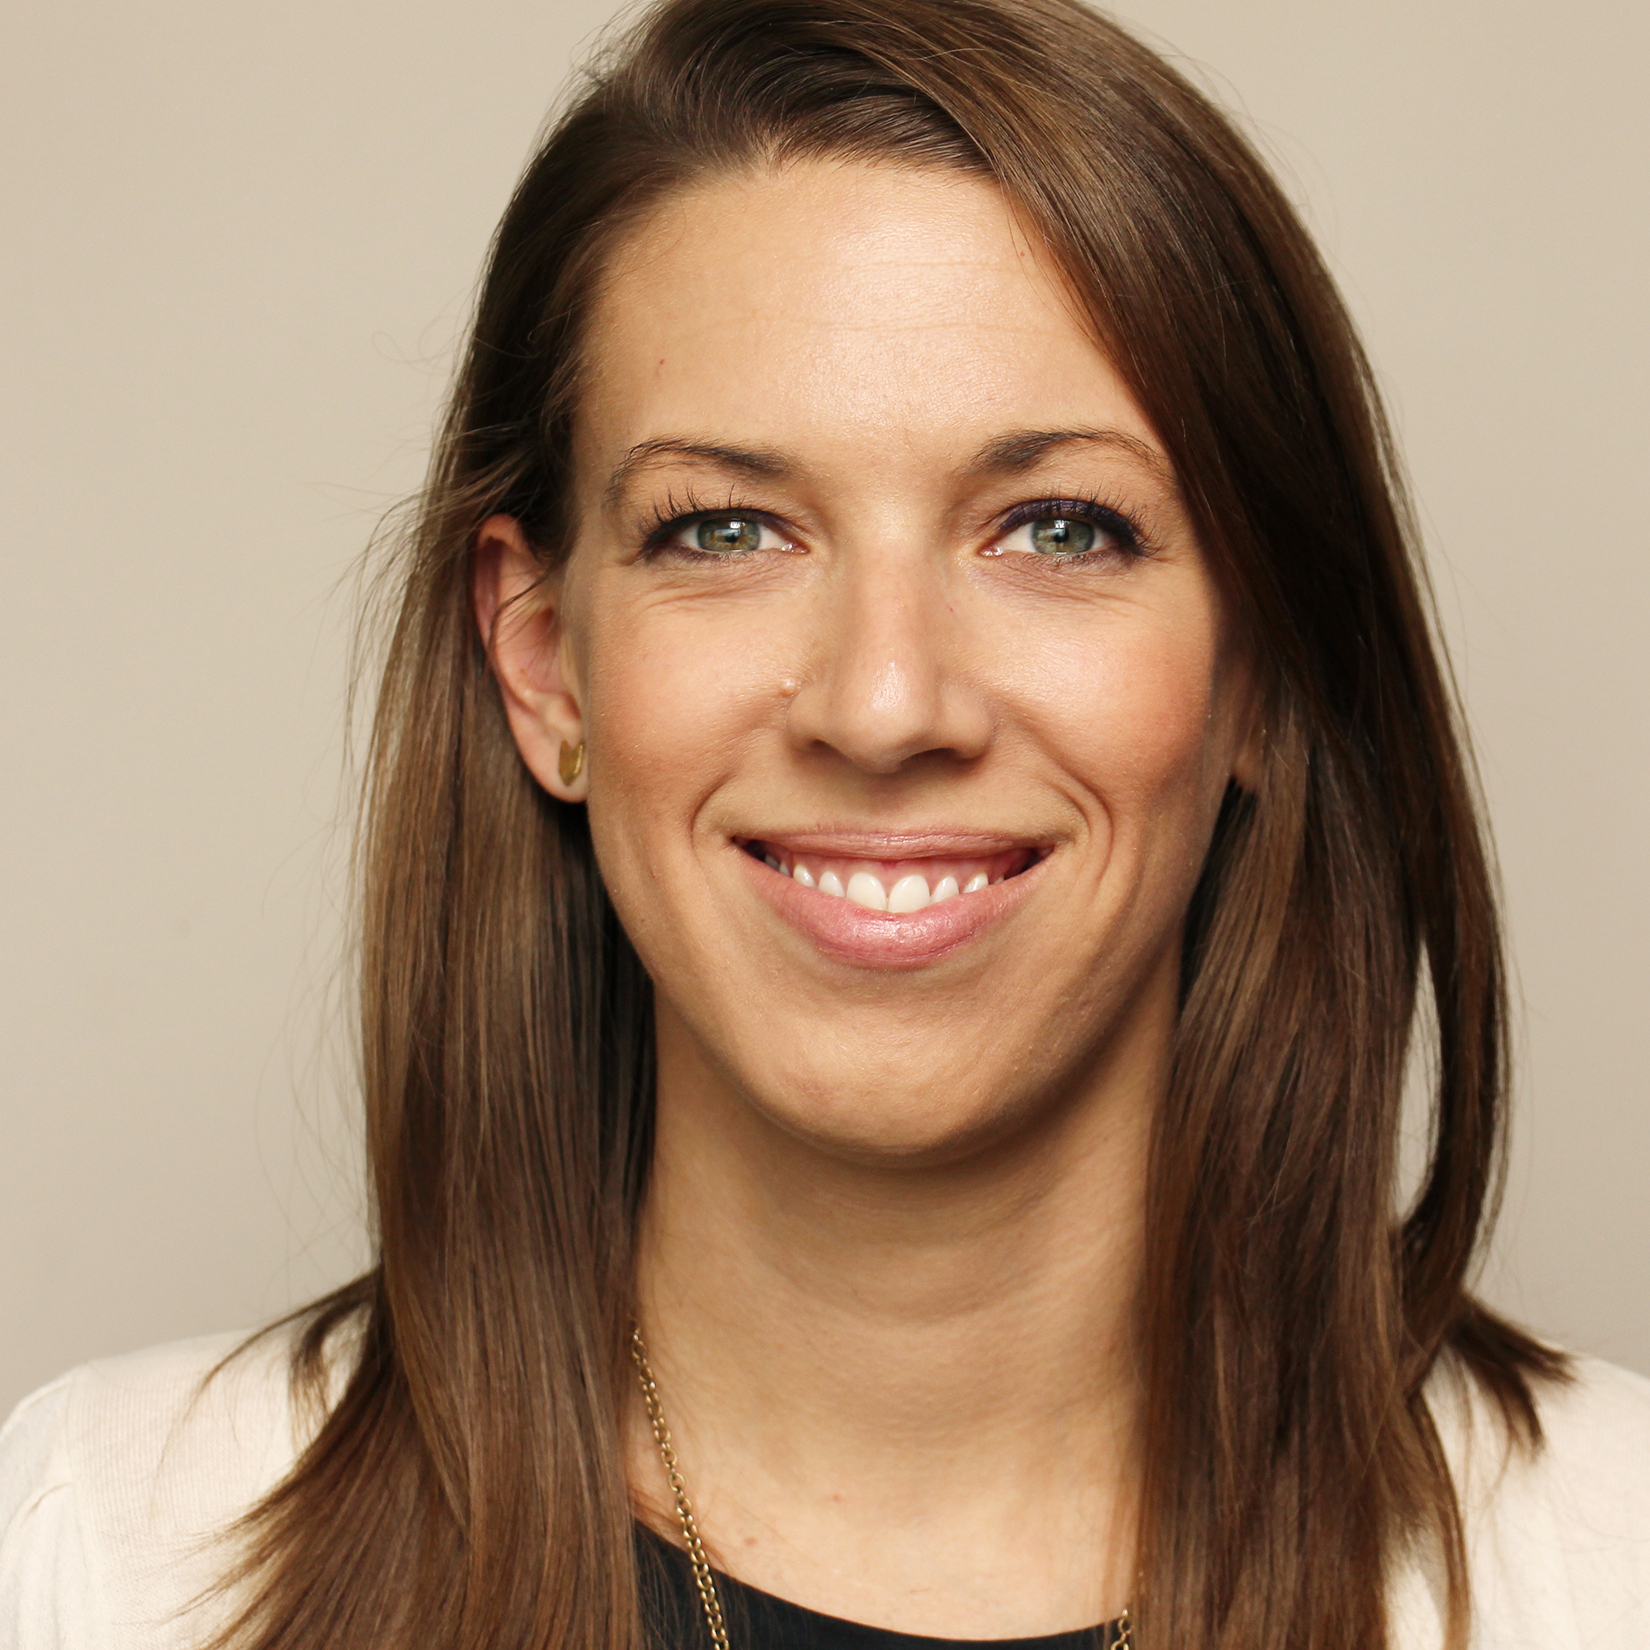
759, 1621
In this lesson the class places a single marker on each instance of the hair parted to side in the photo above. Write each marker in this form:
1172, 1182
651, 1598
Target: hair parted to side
467, 1491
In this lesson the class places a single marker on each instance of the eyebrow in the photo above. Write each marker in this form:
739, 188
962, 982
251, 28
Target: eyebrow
1009, 454
747, 461
1021, 450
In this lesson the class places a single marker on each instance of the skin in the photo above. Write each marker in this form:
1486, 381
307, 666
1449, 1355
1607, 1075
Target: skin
890, 1254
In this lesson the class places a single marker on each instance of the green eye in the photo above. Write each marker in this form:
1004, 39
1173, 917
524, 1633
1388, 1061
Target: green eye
1062, 536
728, 534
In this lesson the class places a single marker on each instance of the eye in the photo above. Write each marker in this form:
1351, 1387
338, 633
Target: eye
1061, 536
729, 533
726, 534
1066, 530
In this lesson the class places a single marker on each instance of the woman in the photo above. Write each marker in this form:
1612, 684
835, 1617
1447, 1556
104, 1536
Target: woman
912, 798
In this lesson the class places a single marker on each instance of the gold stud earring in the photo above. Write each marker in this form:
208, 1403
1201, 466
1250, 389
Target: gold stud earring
572, 761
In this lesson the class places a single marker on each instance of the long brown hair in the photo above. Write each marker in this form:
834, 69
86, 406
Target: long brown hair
466, 1491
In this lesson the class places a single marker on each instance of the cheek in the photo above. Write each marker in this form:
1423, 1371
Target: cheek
1135, 711
670, 707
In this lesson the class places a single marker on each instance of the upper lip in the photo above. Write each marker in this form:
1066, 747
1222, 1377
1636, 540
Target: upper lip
920, 843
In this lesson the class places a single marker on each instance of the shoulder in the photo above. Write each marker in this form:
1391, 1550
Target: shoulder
1598, 1446
120, 1481
1558, 1537
1593, 1461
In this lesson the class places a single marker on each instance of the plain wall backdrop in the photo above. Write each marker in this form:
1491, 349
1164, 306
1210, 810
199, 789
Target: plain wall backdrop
240, 242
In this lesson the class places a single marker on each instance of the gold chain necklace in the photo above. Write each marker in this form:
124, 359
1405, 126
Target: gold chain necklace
703, 1577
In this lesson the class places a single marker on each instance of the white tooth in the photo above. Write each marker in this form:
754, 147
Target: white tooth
804, 875
976, 882
864, 889
908, 894
831, 883
947, 890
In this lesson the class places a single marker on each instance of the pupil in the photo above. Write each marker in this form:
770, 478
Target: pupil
728, 533
1059, 535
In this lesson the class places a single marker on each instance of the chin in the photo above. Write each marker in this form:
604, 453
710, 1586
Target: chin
876, 1117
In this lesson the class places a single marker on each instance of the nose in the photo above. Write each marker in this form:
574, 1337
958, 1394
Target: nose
893, 675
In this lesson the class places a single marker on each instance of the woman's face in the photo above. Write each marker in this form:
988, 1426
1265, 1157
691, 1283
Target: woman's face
908, 696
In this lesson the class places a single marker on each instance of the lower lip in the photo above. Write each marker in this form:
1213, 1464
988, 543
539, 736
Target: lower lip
881, 939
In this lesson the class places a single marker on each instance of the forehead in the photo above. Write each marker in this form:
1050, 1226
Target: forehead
845, 309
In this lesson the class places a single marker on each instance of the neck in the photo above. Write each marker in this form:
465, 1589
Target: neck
866, 1364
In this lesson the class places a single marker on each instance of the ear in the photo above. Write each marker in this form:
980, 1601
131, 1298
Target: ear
1246, 764
1249, 758
519, 615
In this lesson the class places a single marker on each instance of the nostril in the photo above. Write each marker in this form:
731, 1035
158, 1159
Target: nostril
879, 707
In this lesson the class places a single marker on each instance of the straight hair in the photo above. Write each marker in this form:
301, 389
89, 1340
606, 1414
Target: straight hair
466, 1489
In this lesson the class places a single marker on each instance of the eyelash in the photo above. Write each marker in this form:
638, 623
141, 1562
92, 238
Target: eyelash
1130, 541
672, 514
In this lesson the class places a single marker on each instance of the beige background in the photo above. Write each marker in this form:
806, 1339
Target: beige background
239, 245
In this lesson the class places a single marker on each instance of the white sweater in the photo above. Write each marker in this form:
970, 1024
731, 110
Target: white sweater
116, 1480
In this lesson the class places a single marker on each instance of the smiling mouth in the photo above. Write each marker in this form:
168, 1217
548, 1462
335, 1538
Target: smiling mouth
900, 887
